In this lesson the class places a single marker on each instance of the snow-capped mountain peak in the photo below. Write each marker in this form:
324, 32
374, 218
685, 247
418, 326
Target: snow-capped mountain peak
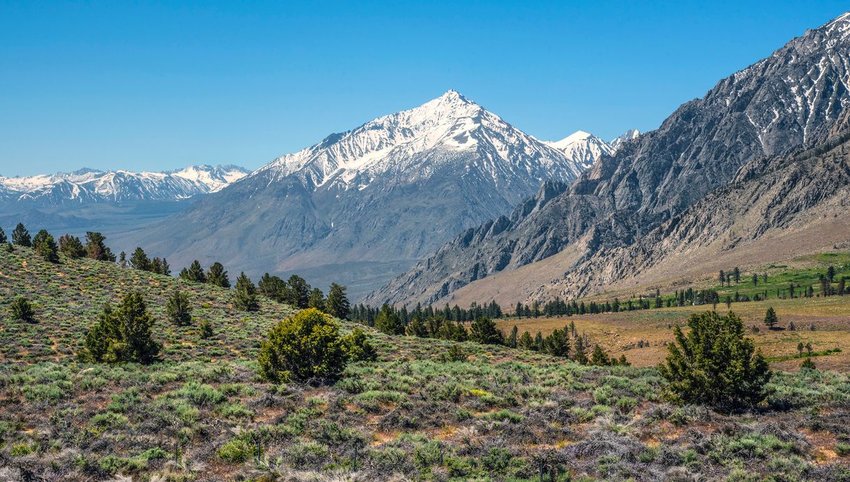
413, 143
92, 185
618, 142
582, 147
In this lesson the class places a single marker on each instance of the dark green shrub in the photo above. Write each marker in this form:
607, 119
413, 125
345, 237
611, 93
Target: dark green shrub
715, 365
22, 310
303, 347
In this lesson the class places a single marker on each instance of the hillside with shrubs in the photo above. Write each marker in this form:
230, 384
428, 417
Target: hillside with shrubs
108, 372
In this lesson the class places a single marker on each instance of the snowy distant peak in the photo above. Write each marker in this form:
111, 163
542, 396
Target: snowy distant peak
92, 185
449, 128
582, 147
618, 141
839, 27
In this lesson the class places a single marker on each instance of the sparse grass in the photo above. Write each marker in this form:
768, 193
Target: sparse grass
487, 413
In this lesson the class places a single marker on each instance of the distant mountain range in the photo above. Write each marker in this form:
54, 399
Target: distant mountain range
96, 186
673, 198
363, 205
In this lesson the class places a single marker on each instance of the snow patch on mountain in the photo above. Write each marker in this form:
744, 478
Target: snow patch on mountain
411, 145
582, 147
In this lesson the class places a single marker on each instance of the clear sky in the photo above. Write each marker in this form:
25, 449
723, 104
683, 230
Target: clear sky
160, 85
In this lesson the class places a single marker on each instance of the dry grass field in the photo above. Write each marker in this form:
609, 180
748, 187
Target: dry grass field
621, 332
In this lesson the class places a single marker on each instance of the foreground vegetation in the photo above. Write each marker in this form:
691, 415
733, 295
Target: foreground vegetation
422, 409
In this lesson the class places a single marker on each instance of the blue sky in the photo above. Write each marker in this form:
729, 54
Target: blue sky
160, 85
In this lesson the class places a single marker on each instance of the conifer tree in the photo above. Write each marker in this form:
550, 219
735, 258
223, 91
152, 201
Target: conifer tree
216, 275
194, 273
722, 277
299, 291
484, 331
337, 303
71, 246
316, 299
416, 328
558, 344
513, 338
830, 273
45, 246
737, 274
246, 294
539, 342
122, 335
21, 236
388, 321
96, 247
715, 364
770, 318
580, 351
599, 357
139, 260
3, 239
526, 342
178, 309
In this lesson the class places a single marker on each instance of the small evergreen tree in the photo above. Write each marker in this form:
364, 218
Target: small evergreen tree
303, 347
139, 260
299, 291
580, 351
513, 338
96, 247
3, 239
770, 318
22, 310
337, 303
216, 275
122, 335
484, 331
526, 342
316, 300
178, 310
830, 273
715, 364
558, 343
598, 357
71, 246
194, 273
21, 236
246, 294
388, 321
45, 246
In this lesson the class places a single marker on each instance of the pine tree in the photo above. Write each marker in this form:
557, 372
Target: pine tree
722, 277
513, 338
715, 364
830, 273
558, 344
770, 318
526, 342
122, 335
581, 353
246, 294
484, 331
539, 342
599, 357
337, 302
71, 246
45, 246
96, 247
299, 291
3, 239
194, 273
388, 321
21, 236
755, 279
416, 328
737, 274
178, 309
139, 260
216, 275
316, 299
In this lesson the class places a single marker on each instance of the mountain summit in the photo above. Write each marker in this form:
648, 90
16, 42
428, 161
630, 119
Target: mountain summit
363, 205
795, 99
